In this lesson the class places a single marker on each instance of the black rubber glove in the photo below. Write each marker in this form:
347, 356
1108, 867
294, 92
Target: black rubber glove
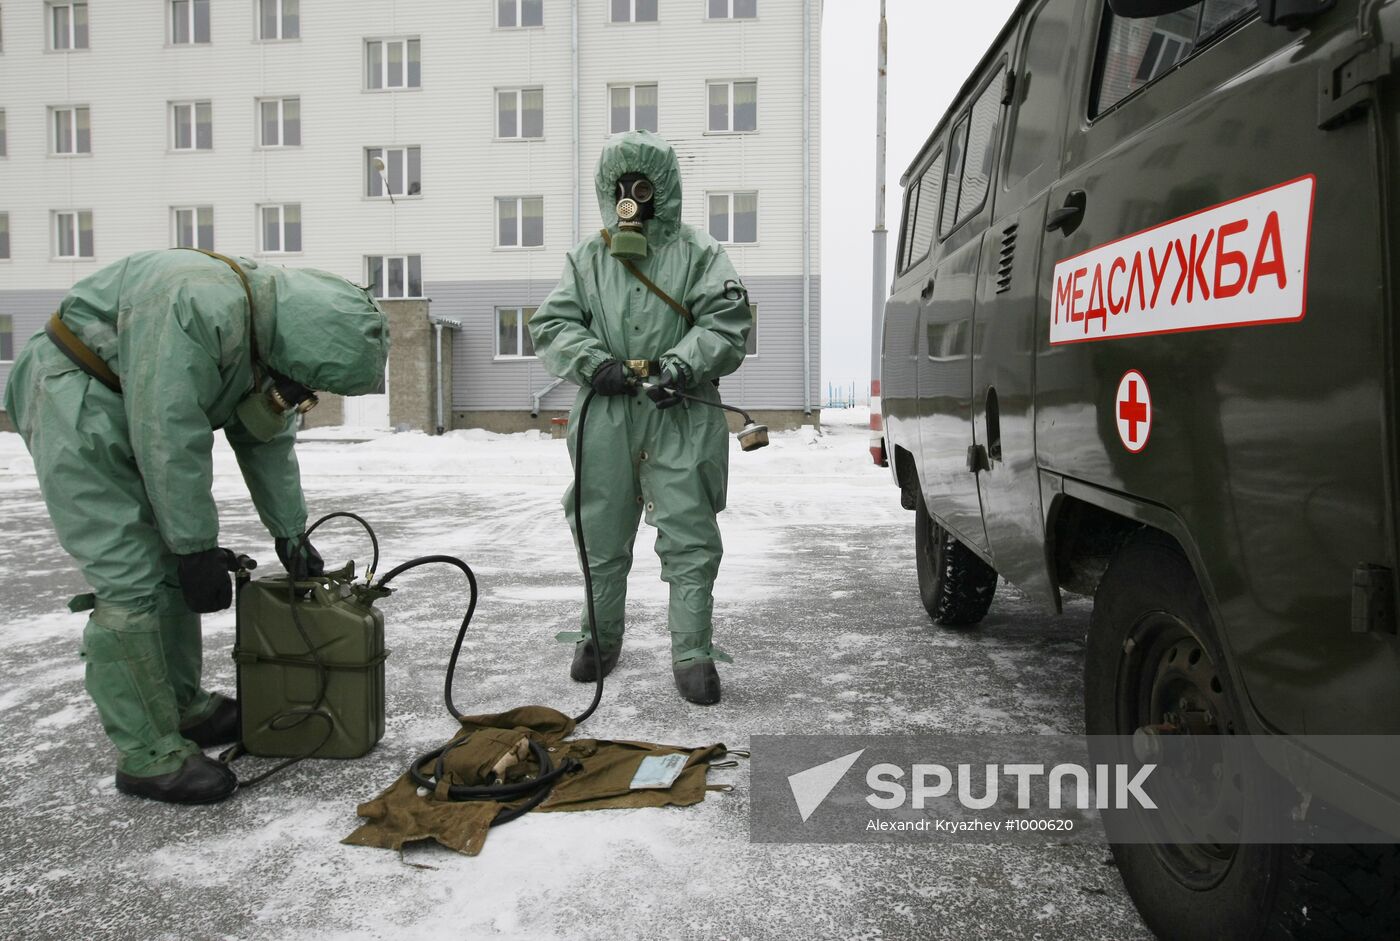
205, 582
613, 378
308, 564
664, 392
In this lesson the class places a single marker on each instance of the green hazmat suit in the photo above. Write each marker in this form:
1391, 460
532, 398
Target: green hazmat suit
127, 476
671, 466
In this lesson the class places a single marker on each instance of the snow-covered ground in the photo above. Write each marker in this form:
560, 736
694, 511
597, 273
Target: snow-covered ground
816, 601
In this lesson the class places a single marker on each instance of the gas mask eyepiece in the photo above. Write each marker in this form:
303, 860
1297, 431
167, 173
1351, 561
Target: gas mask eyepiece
635, 195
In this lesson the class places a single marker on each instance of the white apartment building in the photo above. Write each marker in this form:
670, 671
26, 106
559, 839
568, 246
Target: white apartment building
279, 130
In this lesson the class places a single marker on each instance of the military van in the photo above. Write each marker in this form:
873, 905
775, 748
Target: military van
1141, 346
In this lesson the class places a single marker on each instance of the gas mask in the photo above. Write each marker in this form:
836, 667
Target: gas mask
635, 205
264, 412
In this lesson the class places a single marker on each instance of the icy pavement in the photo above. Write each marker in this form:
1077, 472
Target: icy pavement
817, 602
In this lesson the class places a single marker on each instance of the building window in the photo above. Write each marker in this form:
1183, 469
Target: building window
68, 26
751, 348
733, 106
733, 9
634, 11
4, 141
279, 19
72, 131
393, 171
513, 334
280, 229
194, 227
72, 234
393, 63
192, 125
279, 122
734, 217
631, 108
7, 338
189, 21
513, 14
395, 276
519, 221
519, 113
4, 235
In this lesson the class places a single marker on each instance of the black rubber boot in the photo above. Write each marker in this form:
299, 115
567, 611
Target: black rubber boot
200, 780
583, 668
698, 681
220, 727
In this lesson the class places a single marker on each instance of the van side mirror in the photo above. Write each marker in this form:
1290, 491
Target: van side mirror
1137, 9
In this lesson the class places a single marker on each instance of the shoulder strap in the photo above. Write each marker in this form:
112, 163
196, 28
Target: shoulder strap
80, 354
651, 286
247, 292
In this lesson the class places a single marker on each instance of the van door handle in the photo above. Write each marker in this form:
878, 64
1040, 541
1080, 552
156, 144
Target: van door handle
927, 292
1066, 220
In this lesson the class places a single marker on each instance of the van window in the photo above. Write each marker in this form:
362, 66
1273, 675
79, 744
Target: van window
923, 225
970, 156
911, 208
951, 179
1040, 87
1136, 52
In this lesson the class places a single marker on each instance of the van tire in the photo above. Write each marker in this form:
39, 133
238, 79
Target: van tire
1265, 891
955, 585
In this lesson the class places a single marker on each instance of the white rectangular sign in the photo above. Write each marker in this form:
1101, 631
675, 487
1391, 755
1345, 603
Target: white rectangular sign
1241, 263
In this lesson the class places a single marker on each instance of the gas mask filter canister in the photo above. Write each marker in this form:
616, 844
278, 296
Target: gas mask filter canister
635, 205
265, 411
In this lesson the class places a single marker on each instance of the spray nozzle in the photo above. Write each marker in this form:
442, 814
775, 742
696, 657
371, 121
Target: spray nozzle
753, 437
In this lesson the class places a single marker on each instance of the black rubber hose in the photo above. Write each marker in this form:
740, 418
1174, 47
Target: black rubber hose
536, 789
583, 560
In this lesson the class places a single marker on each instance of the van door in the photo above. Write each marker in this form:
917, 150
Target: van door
902, 343
1220, 260
945, 372
1003, 367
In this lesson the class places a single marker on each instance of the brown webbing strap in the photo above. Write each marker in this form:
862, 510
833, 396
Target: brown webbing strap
651, 285
81, 354
247, 291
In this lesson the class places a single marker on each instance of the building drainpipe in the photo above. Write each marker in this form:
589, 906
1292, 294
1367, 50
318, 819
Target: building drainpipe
537, 402
439, 392
574, 59
807, 207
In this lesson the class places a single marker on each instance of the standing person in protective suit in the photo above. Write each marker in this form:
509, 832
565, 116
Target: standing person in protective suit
607, 329
118, 402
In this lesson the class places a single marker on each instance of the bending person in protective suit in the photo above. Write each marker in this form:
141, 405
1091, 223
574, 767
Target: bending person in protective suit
607, 329
118, 402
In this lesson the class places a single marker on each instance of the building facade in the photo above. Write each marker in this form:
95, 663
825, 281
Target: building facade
440, 150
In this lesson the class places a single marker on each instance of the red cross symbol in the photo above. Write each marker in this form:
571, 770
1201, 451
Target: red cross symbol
1133, 411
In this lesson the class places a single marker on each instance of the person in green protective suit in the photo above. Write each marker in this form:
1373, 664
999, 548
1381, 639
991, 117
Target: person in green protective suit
605, 328
118, 401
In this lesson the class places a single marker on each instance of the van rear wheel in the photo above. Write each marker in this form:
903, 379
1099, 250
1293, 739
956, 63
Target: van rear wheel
955, 585
1153, 652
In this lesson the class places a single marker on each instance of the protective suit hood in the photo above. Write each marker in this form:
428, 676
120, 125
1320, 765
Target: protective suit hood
649, 154
319, 329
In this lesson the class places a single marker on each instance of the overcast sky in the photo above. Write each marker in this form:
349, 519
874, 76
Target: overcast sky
934, 45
